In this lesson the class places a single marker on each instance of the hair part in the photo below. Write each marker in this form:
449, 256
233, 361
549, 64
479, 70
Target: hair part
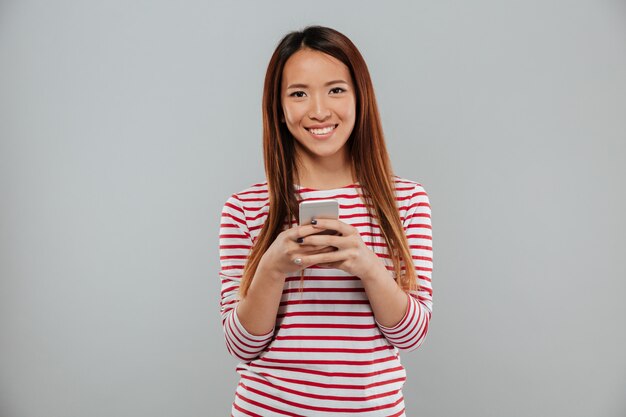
371, 165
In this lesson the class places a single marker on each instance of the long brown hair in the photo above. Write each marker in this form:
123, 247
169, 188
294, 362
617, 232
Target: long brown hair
371, 164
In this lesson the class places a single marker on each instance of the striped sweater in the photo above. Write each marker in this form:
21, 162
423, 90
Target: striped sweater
327, 356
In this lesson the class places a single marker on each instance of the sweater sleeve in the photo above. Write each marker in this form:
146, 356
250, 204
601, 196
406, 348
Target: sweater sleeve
235, 245
410, 332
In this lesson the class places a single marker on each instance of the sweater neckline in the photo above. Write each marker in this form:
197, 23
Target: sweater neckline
308, 189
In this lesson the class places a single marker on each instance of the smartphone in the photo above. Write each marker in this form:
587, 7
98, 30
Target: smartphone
319, 209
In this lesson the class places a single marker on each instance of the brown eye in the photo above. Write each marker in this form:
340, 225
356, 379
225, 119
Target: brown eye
298, 94
337, 90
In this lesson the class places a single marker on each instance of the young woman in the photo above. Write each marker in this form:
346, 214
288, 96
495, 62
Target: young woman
318, 320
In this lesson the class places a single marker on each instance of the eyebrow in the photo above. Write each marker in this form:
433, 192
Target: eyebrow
325, 85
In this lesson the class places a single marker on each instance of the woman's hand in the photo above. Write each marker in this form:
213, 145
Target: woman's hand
286, 254
350, 253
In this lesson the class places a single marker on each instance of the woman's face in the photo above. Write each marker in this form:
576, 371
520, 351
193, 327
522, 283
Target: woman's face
319, 104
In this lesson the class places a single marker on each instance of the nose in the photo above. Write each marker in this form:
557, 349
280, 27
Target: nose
318, 110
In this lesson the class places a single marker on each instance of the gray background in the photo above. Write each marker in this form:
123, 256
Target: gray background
125, 125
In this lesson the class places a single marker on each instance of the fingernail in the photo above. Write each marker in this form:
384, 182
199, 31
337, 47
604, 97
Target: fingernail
299, 240
313, 221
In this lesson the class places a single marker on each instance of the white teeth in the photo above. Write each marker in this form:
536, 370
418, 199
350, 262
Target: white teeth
322, 131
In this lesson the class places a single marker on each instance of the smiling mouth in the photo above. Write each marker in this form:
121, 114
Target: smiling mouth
322, 131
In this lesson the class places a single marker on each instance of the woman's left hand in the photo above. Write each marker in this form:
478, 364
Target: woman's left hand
352, 254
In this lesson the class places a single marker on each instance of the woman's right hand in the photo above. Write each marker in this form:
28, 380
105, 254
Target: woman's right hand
283, 254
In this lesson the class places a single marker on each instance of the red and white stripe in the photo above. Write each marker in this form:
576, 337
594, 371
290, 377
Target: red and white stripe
327, 355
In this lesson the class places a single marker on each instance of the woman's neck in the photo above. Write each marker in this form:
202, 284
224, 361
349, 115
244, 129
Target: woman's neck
325, 174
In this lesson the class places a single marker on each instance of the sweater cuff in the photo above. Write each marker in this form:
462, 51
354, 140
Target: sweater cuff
241, 343
402, 334
255, 339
